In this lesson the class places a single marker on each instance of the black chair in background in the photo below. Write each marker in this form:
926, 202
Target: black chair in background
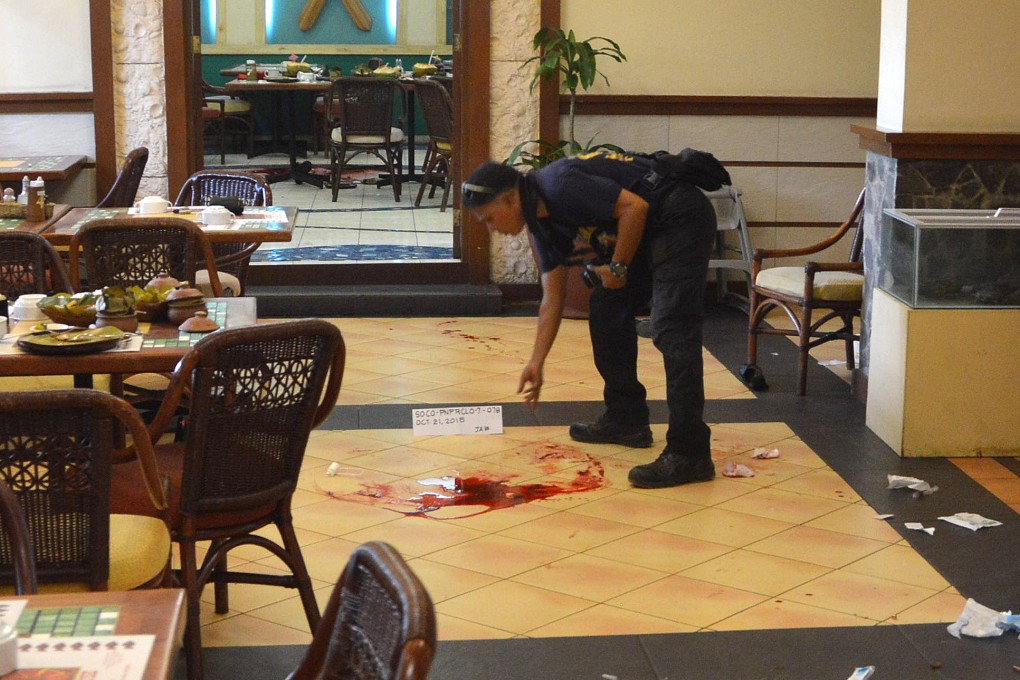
360, 113
437, 108
125, 188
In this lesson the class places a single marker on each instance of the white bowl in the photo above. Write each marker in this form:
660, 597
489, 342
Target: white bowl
26, 308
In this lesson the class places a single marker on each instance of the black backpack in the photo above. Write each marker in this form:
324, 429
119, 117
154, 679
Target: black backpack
699, 168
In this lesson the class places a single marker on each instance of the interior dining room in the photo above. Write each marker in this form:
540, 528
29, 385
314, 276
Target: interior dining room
863, 517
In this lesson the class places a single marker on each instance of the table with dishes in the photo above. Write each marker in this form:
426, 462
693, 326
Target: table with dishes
133, 635
13, 169
19, 223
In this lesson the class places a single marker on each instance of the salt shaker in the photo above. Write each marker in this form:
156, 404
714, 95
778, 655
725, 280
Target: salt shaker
9, 196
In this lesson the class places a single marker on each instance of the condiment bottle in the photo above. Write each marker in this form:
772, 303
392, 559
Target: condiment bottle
9, 197
23, 196
250, 71
36, 211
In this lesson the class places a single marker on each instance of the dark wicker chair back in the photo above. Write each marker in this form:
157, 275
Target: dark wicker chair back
250, 188
437, 108
16, 546
125, 188
379, 622
131, 251
29, 264
363, 114
56, 449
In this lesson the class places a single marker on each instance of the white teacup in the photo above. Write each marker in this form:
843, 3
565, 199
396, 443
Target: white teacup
26, 308
305, 77
152, 205
216, 215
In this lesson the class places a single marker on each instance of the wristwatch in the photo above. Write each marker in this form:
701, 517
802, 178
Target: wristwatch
619, 269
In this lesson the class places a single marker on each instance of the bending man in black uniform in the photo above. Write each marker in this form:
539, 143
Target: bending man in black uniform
655, 243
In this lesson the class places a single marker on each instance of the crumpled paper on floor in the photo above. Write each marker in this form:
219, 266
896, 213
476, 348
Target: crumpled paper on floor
970, 520
980, 621
762, 453
917, 526
919, 485
737, 470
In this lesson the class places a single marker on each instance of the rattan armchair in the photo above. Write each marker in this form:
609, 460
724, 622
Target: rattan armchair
833, 288
379, 623
29, 264
437, 108
360, 114
252, 190
125, 188
56, 451
16, 548
256, 393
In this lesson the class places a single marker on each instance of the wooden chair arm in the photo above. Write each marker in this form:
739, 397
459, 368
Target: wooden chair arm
332, 390
812, 267
141, 450
763, 253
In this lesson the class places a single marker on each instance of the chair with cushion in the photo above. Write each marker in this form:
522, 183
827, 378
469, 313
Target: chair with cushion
29, 264
251, 189
363, 124
56, 452
835, 288
224, 114
16, 548
255, 395
125, 188
437, 108
379, 622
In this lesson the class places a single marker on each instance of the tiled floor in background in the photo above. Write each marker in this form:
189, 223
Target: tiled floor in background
365, 223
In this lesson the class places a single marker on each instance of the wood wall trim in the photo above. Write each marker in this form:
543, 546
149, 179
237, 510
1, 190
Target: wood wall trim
104, 114
46, 102
548, 90
992, 146
683, 105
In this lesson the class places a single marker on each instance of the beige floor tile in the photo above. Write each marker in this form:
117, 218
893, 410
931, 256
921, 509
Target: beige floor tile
642, 510
860, 595
456, 394
818, 546
468, 446
516, 607
686, 600
794, 450
570, 531
392, 365
405, 461
416, 536
336, 516
899, 563
454, 628
944, 607
290, 612
498, 556
724, 527
822, 483
707, 494
324, 560
765, 433
245, 630
728, 440
589, 577
491, 521
1006, 490
660, 551
339, 445
399, 386
772, 472
443, 581
778, 613
605, 620
858, 519
983, 468
785, 506
755, 572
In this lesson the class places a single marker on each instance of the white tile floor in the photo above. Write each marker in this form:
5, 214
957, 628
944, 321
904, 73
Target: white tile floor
366, 215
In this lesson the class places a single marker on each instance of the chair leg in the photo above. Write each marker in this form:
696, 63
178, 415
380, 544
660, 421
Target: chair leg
803, 341
301, 577
192, 630
220, 592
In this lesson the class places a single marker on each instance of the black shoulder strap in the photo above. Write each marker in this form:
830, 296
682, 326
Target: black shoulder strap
699, 168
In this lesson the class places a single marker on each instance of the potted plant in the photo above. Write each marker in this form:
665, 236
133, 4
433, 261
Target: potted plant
562, 54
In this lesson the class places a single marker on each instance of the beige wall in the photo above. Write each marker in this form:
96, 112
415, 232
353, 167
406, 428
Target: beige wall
821, 48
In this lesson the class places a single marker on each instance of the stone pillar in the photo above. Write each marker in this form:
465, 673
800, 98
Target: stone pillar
947, 133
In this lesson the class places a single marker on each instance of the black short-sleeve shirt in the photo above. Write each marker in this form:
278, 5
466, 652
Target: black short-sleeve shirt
580, 194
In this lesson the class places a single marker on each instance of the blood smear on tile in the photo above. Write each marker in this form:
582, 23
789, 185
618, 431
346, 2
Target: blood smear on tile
487, 492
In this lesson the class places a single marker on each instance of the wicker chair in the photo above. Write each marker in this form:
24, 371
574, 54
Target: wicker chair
125, 187
360, 114
225, 114
437, 107
835, 288
16, 546
29, 264
379, 622
252, 190
131, 251
56, 448
256, 393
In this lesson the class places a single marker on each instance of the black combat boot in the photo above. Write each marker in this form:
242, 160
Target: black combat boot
672, 469
605, 431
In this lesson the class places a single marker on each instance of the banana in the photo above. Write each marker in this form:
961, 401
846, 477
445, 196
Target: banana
310, 14
362, 19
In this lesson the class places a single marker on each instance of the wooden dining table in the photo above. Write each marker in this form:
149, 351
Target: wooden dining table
155, 612
13, 169
255, 225
34, 226
162, 345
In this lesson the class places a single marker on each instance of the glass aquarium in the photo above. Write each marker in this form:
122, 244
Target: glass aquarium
951, 259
